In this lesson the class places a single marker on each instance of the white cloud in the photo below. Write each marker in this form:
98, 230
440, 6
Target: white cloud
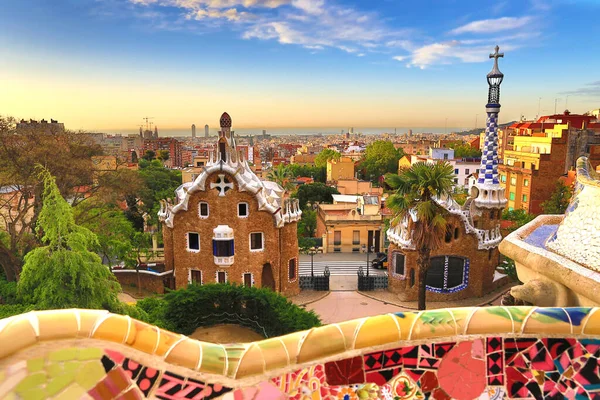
230, 14
452, 51
314, 7
400, 58
492, 25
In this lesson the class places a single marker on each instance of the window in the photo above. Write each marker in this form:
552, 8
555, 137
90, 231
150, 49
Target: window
456, 171
448, 236
398, 262
193, 241
467, 171
256, 241
337, 238
455, 180
222, 151
203, 209
447, 274
477, 171
525, 182
223, 248
356, 237
511, 196
242, 210
492, 214
292, 269
248, 279
221, 276
195, 276
456, 233
503, 178
199, 163
445, 156
524, 198
513, 181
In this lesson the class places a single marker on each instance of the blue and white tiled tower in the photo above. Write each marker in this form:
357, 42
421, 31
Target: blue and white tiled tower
491, 193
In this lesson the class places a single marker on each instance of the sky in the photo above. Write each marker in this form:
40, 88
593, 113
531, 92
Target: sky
105, 64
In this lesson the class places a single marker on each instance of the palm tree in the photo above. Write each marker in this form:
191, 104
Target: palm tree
416, 189
281, 175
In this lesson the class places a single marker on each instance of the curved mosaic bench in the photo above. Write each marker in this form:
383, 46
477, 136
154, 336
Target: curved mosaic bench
463, 353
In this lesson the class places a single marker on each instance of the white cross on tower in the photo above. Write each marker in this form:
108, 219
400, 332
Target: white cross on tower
222, 185
496, 55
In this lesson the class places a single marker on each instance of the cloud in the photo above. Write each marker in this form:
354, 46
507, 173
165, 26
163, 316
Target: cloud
590, 90
314, 7
449, 52
400, 58
492, 25
230, 14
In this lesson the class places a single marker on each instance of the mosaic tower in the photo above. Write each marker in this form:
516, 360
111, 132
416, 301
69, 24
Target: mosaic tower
491, 193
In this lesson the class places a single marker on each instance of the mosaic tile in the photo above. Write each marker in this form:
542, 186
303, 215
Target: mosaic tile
345, 372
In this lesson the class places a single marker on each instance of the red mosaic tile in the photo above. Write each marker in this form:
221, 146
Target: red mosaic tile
345, 372
460, 375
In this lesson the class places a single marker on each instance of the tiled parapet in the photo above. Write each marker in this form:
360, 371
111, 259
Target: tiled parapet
578, 235
468, 353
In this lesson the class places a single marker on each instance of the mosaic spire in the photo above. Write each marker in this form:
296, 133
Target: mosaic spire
488, 172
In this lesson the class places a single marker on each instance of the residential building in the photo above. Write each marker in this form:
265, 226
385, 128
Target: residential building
538, 153
464, 265
172, 145
303, 159
357, 187
463, 167
340, 169
229, 226
352, 224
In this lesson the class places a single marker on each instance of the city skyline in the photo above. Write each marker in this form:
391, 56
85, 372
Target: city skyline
105, 64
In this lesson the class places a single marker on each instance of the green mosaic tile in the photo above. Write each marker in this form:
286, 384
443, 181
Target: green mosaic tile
59, 383
33, 394
31, 381
71, 367
63, 354
90, 374
73, 392
89, 354
55, 369
35, 364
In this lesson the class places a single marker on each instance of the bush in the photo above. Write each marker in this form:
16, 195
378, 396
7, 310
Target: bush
8, 310
261, 310
8, 291
155, 308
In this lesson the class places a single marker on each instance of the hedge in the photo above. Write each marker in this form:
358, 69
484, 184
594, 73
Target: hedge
261, 310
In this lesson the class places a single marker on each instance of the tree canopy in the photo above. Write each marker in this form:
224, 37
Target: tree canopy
559, 200
281, 175
319, 174
65, 272
326, 155
159, 183
380, 158
314, 192
463, 150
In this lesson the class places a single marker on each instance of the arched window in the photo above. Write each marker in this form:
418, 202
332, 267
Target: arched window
456, 233
412, 277
448, 236
292, 269
447, 274
222, 151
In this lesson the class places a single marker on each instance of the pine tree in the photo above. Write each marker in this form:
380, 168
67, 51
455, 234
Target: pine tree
65, 273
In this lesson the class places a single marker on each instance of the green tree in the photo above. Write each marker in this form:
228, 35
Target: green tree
326, 155
163, 155
380, 158
149, 155
282, 176
519, 218
308, 223
319, 174
314, 192
559, 201
415, 191
463, 150
65, 272
159, 183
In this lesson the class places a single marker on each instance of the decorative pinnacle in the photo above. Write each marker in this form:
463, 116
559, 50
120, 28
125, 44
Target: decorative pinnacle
496, 56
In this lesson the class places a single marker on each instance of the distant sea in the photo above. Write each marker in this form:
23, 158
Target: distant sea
293, 131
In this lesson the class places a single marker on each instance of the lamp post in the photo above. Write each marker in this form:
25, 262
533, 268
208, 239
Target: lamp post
369, 249
312, 251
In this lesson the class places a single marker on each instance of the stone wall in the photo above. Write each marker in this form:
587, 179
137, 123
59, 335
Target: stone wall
149, 281
466, 353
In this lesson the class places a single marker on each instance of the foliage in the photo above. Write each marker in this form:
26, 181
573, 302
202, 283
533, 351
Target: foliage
519, 217
314, 192
184, 310
65, 272
415, 190
8, 291
159, 183
326, 155
281, 175
8, 310
308, 223
67, 155
149, 155
507, 266
463, 150
319, 174
163, 155
380, 158
559, 201
305, 243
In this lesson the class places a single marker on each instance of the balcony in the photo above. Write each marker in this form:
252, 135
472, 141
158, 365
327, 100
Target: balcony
224, 261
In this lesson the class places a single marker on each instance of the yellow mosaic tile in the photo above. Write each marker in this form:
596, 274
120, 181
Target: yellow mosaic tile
57, 324
461, 317
234, 354
592, 324
519, 316
16, 335
185, 353
376, 331
292, 343
213, 359
87, 320
33, 394
73, 391
90, 374
67, 354
252, 362
550, 321
166, 341
90, 353
433, 323
486, 319
321, 342
349, 330
56, 385
578, 327
273, 353
146, 338
405, 321
113, 328
31, 381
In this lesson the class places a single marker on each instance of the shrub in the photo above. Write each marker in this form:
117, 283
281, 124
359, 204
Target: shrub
8, 291
8, 310
261, 310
